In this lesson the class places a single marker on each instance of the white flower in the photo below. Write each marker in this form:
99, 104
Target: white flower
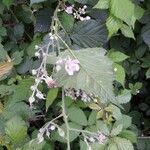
40, 95
91, 139
52, 127
72, 66
34, 72
31, 100
87, 18
36, 47
58, 68
40, 137
37, 54
69, 10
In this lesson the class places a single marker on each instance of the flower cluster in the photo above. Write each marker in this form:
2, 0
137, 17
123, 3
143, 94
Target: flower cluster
41, 73
47, 130
71, 65
78, 14
100, 137
78, 94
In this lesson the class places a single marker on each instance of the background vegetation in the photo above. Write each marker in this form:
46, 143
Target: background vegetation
122, 27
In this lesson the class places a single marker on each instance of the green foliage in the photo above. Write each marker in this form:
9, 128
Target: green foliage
95, 75
113, 50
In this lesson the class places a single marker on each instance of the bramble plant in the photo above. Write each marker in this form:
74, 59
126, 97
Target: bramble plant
74, 74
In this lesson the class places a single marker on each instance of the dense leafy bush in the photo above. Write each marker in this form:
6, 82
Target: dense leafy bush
74, 74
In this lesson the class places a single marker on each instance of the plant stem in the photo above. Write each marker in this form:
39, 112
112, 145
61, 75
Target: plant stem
65, 119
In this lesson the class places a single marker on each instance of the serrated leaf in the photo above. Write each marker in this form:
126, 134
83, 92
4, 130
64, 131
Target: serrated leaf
120, 73
124, 97
74, 113
125, 120
95, 74
112, 146
102, 127
129, 135
113, 25
51, 96
123, 144
22, 90
124, 10
116, 56
67, 21
89, 33
102, 4
16, 129
127, 31
116, 130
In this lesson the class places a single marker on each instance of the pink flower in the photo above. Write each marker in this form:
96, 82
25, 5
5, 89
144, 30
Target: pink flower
101, 138
71, 66
50, 82
69, 10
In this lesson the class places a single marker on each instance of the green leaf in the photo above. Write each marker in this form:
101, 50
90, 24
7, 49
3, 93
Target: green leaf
72, 134
7, 3
116, 112
124, 10
124, 97
3, 31
16, 129
120, 73
113, 25
20, 108
89, 34
148, 74
51, 96
116, 56
36, 1
17, 57
3, 53
125, 121
92, 118
74, 113
102, 4
83, 145
95, 74
67, 21
123, 144
146, 34
98, 146
32, 145
112, 146
138, 12
127, 31
22, 90
129, 135
103, 127
116, 130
